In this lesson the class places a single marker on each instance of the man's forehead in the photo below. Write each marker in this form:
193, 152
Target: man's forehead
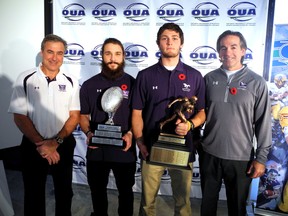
112, 47
170, 32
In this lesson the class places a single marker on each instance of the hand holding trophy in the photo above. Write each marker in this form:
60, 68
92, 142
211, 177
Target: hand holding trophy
170, 149
109, 134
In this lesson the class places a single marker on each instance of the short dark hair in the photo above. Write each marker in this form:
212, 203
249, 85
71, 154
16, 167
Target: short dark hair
113, 41
170, 26
54, 38
243, 43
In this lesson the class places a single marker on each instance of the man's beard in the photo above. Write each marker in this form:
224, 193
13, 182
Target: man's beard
112, 74
168, 55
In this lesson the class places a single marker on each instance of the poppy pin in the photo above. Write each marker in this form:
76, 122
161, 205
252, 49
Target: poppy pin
124, 87
182, 76
233, 91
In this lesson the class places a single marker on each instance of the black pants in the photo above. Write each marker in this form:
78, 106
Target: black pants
35, 170
98, 177
213, 170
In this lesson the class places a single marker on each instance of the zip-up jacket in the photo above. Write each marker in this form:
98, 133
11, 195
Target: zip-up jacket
238, 108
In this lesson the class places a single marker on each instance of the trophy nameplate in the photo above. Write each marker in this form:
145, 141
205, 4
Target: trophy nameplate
171, 138
170, 149
165, 155
108, 134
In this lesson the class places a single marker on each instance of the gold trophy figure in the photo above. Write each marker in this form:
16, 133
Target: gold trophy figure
170, 149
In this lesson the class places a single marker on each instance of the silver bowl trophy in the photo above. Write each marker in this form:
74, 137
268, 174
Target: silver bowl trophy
170, 149
109, 134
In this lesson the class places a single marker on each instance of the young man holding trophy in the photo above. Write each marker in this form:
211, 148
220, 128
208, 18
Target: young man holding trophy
106, 121
163, 141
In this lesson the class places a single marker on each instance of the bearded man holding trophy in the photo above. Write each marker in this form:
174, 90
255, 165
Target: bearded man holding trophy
106, 121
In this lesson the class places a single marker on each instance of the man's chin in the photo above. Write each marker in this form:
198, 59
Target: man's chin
169, 55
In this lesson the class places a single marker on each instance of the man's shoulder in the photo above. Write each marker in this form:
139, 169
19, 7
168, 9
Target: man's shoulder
212, 73
92, 79
255, 77
252, 73
188, 67
147, 72
150, 68
128, 76
28, 72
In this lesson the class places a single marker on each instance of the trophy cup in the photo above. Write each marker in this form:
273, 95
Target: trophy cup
109, 134
170, 149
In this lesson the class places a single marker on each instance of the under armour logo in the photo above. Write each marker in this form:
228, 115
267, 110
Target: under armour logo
99, 90
154, 87
215, 83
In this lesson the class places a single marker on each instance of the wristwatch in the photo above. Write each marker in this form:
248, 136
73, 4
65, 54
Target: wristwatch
59, 140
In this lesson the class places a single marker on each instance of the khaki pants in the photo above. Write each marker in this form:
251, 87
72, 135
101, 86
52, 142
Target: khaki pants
181, 186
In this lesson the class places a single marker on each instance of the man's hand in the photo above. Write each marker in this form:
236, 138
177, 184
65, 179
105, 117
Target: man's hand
128, 139
53, 158
182, 128
256, 169
89, 137
48, 150
142, 147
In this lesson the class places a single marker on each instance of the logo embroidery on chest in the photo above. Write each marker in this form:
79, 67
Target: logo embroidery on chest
125, 94
186, 87
243, 85
62, 88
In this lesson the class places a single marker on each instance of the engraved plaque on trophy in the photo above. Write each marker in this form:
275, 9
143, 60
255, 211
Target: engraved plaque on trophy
170, 149
109, 134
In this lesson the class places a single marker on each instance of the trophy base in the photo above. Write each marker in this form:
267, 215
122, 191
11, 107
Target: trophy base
170, 150
107, 136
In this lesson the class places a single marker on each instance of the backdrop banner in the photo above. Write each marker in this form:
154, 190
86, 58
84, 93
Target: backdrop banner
86, 24
272, 184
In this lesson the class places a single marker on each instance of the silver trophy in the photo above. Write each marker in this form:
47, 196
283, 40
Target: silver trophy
110, 102
109, 134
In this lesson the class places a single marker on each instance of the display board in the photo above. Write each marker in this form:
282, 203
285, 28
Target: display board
272, 183
86, 24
